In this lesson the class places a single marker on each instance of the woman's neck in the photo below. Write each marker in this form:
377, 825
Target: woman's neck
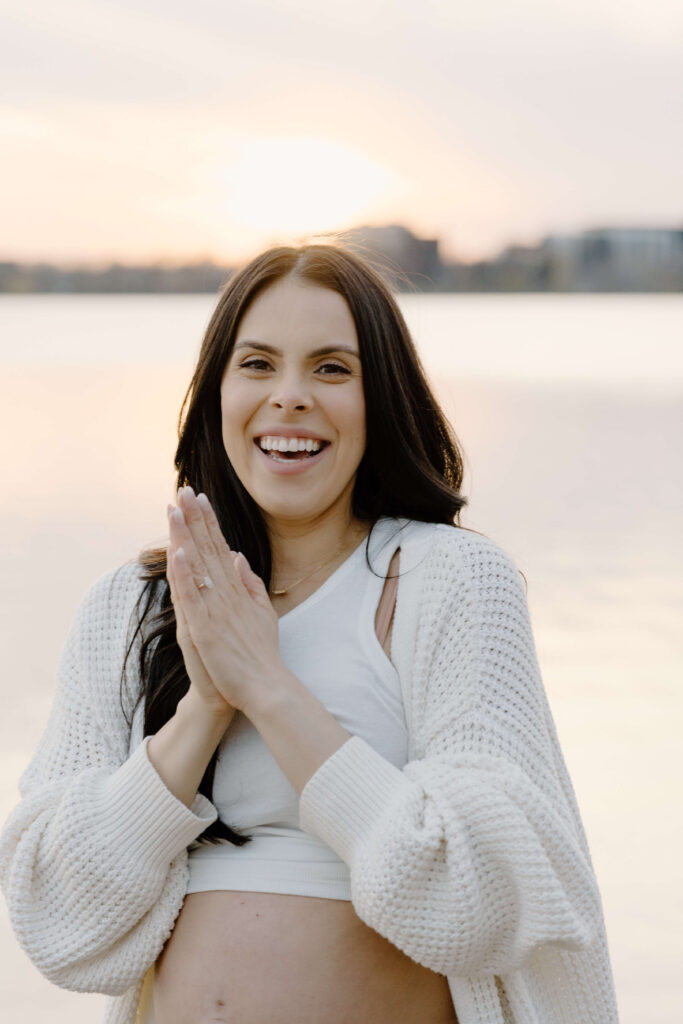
313, 551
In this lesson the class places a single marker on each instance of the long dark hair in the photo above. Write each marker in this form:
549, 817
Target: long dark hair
412, 466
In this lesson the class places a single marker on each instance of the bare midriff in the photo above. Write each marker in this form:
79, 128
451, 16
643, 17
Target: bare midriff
265, 958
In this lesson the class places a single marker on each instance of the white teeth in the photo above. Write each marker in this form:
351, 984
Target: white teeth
289, 444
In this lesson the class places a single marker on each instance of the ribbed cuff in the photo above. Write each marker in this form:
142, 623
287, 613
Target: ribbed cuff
145, 817
349, 792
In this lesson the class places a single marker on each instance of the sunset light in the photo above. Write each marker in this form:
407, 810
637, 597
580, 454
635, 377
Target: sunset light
300, 185
132, 133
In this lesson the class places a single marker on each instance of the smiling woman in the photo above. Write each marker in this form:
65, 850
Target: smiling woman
301, 765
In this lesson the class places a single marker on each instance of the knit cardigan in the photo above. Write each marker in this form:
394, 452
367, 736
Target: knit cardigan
472, 858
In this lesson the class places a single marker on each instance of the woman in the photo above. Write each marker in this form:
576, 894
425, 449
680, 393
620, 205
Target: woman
340, 794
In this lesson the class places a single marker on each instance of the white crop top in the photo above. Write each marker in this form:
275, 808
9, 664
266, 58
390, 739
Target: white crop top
329, 643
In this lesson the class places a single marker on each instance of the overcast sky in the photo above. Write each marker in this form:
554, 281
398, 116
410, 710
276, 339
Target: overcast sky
141, 130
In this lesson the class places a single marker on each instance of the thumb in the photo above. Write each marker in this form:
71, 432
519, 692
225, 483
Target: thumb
251, 581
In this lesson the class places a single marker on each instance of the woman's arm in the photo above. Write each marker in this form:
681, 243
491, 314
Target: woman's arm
473, 855
299, 731
93, 860
181, 750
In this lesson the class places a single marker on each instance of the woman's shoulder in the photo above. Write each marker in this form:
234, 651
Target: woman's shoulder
443, 539
119, 584
111, 598
446, 553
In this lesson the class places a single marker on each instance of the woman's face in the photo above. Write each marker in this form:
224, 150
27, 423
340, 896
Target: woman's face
293, 411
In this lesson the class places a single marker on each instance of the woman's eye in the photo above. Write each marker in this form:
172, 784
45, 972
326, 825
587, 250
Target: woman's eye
335, 369
255, 364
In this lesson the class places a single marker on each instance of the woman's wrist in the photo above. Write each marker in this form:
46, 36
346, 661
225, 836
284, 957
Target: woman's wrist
195, 710
297, 728
181, 750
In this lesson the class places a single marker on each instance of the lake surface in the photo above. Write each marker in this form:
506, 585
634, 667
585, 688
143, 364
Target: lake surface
570, 412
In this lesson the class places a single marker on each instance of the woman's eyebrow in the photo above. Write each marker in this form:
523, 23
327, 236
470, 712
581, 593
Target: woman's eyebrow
325, 351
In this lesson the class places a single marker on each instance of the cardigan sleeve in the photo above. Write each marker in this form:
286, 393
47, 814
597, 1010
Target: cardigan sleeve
93, 858
473, 855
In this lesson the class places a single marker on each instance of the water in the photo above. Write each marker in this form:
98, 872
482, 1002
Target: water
570, 411
610, 340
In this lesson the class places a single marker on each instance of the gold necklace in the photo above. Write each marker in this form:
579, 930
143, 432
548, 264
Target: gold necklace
279, 593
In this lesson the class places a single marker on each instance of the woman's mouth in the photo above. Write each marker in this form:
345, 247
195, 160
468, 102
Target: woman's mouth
290, 449
291, 455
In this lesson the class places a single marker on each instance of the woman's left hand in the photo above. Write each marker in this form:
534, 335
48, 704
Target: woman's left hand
233, 624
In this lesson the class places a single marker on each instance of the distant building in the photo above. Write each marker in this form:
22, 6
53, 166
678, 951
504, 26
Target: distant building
116, 278
415, 262
562, 255
616, 259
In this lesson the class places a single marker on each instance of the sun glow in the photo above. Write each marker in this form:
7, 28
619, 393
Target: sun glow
303, 185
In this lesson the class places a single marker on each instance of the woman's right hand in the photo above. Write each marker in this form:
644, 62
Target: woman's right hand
201, 687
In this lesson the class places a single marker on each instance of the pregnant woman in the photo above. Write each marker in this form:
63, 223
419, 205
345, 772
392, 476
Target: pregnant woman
300, 765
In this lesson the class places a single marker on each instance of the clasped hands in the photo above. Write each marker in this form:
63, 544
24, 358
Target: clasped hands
227, 632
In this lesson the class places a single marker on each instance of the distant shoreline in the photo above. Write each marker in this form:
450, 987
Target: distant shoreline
599, 260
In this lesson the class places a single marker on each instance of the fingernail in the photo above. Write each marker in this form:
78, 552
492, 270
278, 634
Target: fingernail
177, 516
189, 491
203, 500
169, 509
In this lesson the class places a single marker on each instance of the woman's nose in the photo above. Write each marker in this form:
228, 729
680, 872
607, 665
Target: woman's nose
291, 394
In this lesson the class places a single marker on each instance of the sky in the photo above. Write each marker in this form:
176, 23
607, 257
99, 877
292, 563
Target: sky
145, 131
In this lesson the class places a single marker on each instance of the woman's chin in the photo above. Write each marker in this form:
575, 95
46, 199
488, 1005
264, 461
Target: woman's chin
304, 508
288, 512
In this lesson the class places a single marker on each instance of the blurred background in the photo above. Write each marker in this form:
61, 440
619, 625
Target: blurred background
520, 164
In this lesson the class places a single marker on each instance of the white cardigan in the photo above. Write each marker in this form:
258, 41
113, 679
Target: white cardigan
471, 859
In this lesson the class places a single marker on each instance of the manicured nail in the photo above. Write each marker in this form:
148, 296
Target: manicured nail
203, 501
177, 516
169, 509
189, 491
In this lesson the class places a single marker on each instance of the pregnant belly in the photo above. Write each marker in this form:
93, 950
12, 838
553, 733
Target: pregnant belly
265, 958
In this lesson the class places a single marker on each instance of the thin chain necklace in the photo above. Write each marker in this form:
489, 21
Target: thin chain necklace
286, 590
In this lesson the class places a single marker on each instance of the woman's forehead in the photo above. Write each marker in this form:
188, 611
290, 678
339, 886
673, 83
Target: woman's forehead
290, 316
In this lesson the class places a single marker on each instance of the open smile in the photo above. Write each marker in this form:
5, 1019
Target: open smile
291, 454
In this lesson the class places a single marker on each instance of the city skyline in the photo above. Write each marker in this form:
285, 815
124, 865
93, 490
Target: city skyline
600, 259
